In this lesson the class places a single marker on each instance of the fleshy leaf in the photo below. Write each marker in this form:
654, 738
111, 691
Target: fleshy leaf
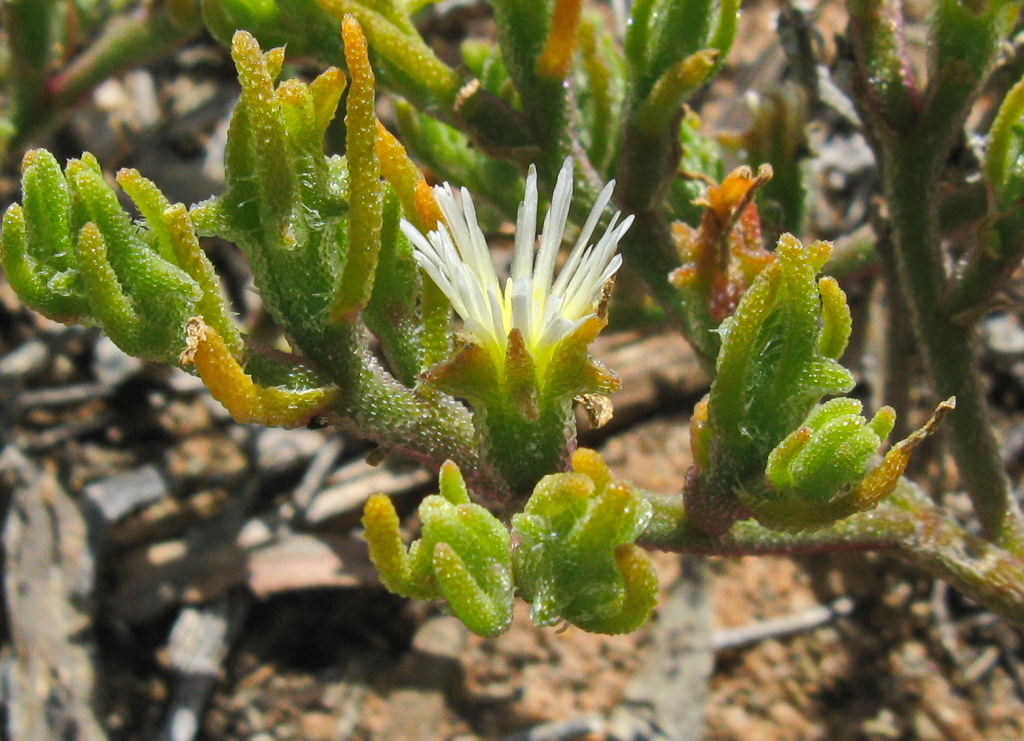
285, 203
820, 473
365, 196
576, 559
464, 554
778, 360
37, 246
247, 400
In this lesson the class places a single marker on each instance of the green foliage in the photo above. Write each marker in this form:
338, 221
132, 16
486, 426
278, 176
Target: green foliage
38, 243
763, 444
56, 51
878, 30
284, 203
964, 44
576, 558
406, 62
601, 80
778, 359
664, 33
1004, 156
463, 554
814, 473
336, 245
72, 253
34, 38
830, 450
392, 313
303, 25
518, 406
780, 351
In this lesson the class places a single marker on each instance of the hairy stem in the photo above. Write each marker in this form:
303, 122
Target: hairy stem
911, 167
647, 165
907, 523
427, 427
30, 28
128, 40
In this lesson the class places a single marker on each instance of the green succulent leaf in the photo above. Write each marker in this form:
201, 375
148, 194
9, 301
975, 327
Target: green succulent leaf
285, 203
463, 555
405, 60
601, 90
74, 254
964, 47
303, 25
764, 443
575, 558
355, 285
778, 359
392, 313
1003, 165
39, 256
662, 33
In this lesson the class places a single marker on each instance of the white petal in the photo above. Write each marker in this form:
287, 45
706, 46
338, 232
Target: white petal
449, 208
495, 301
473, 297
413, 234
552, 315
522, 307
526, 228
554, 229
544, 309
584, 288
580, 289
475, 251
581, 241
612, 269
558, 331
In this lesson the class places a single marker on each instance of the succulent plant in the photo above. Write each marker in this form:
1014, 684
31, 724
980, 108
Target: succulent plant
395, 324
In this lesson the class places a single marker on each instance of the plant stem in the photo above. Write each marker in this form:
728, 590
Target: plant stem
424, 426
911, 168
907, 523
31, 28
647, 164
649, 251
902, 362
127, 41
672, 529
986, 271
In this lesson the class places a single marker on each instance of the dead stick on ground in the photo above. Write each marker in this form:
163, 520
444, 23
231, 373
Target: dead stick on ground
49, 587
780, 627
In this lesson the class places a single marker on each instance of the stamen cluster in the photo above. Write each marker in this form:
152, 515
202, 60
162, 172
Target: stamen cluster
545, 309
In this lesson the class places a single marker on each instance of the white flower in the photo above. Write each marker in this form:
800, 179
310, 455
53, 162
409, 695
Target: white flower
545, 309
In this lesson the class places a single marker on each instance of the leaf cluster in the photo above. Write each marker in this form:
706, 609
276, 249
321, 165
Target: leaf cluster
571, 552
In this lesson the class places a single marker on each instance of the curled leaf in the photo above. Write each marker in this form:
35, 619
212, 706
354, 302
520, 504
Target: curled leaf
820, 474
247, 400
778, 360
365, 196
463, 555
576, 559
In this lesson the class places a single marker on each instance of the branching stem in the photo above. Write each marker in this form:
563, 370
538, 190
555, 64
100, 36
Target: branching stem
910, 179
907, 523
